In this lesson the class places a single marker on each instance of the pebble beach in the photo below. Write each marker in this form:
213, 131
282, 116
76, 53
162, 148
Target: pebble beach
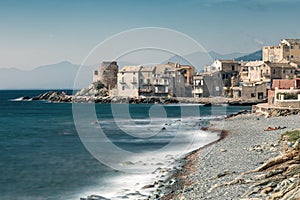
209, 172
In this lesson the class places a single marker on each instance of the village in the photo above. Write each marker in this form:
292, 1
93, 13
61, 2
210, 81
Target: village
275, 78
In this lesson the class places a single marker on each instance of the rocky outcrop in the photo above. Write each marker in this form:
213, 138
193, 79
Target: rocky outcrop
278, 178
283, 112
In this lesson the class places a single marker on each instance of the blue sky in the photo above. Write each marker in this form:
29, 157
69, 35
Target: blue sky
38, 32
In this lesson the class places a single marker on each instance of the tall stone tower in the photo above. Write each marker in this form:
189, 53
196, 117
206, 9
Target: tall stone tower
107, 74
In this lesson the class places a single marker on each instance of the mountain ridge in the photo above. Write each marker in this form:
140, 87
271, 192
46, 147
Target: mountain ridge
64, 74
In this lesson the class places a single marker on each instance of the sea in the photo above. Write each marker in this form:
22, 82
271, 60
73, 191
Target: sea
63, 151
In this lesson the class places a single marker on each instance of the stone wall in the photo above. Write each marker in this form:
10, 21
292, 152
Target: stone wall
288, 104
107, 74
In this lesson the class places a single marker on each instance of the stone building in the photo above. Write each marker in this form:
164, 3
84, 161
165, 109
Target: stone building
288, 49
107, 74
213, 84
219, 76
160, 80
251, 91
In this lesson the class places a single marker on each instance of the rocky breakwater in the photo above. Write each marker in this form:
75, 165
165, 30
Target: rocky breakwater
53, 96
97, 93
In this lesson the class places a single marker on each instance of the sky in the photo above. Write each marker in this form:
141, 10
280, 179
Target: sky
41, 32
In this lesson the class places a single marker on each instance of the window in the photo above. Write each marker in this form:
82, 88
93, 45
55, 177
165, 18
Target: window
252, 95
292, 47
292, 71
166, 90
96, 72
122, 73
148, 81
134, 80
284, 71
292, 56
232, 67
123, 87
141, 81
274, 71
123, 80
133, 73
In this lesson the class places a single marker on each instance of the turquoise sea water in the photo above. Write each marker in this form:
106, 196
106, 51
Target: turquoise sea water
42, 156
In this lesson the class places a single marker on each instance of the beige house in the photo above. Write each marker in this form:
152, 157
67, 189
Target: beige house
288, 49
128, 81
146, 80
281, 70
198, 84
256, 71
251, 72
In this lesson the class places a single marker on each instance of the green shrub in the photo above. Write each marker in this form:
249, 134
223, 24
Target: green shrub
98, 85
293, 136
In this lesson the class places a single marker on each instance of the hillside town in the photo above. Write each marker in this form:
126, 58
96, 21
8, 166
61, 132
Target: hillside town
274, 78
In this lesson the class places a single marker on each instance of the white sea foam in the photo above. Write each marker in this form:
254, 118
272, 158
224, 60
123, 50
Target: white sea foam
149, 166
20, 99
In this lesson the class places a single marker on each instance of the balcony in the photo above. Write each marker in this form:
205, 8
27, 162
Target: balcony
122, 82
161, 92
145, 91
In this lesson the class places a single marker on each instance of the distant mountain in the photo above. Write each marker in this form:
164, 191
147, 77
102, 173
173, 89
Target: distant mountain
251, 57
56, 76
230, 56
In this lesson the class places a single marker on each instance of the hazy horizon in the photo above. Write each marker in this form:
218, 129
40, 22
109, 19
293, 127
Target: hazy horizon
36, 33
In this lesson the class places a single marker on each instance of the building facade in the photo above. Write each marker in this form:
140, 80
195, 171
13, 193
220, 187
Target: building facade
161, 80
128, 81
288, 49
